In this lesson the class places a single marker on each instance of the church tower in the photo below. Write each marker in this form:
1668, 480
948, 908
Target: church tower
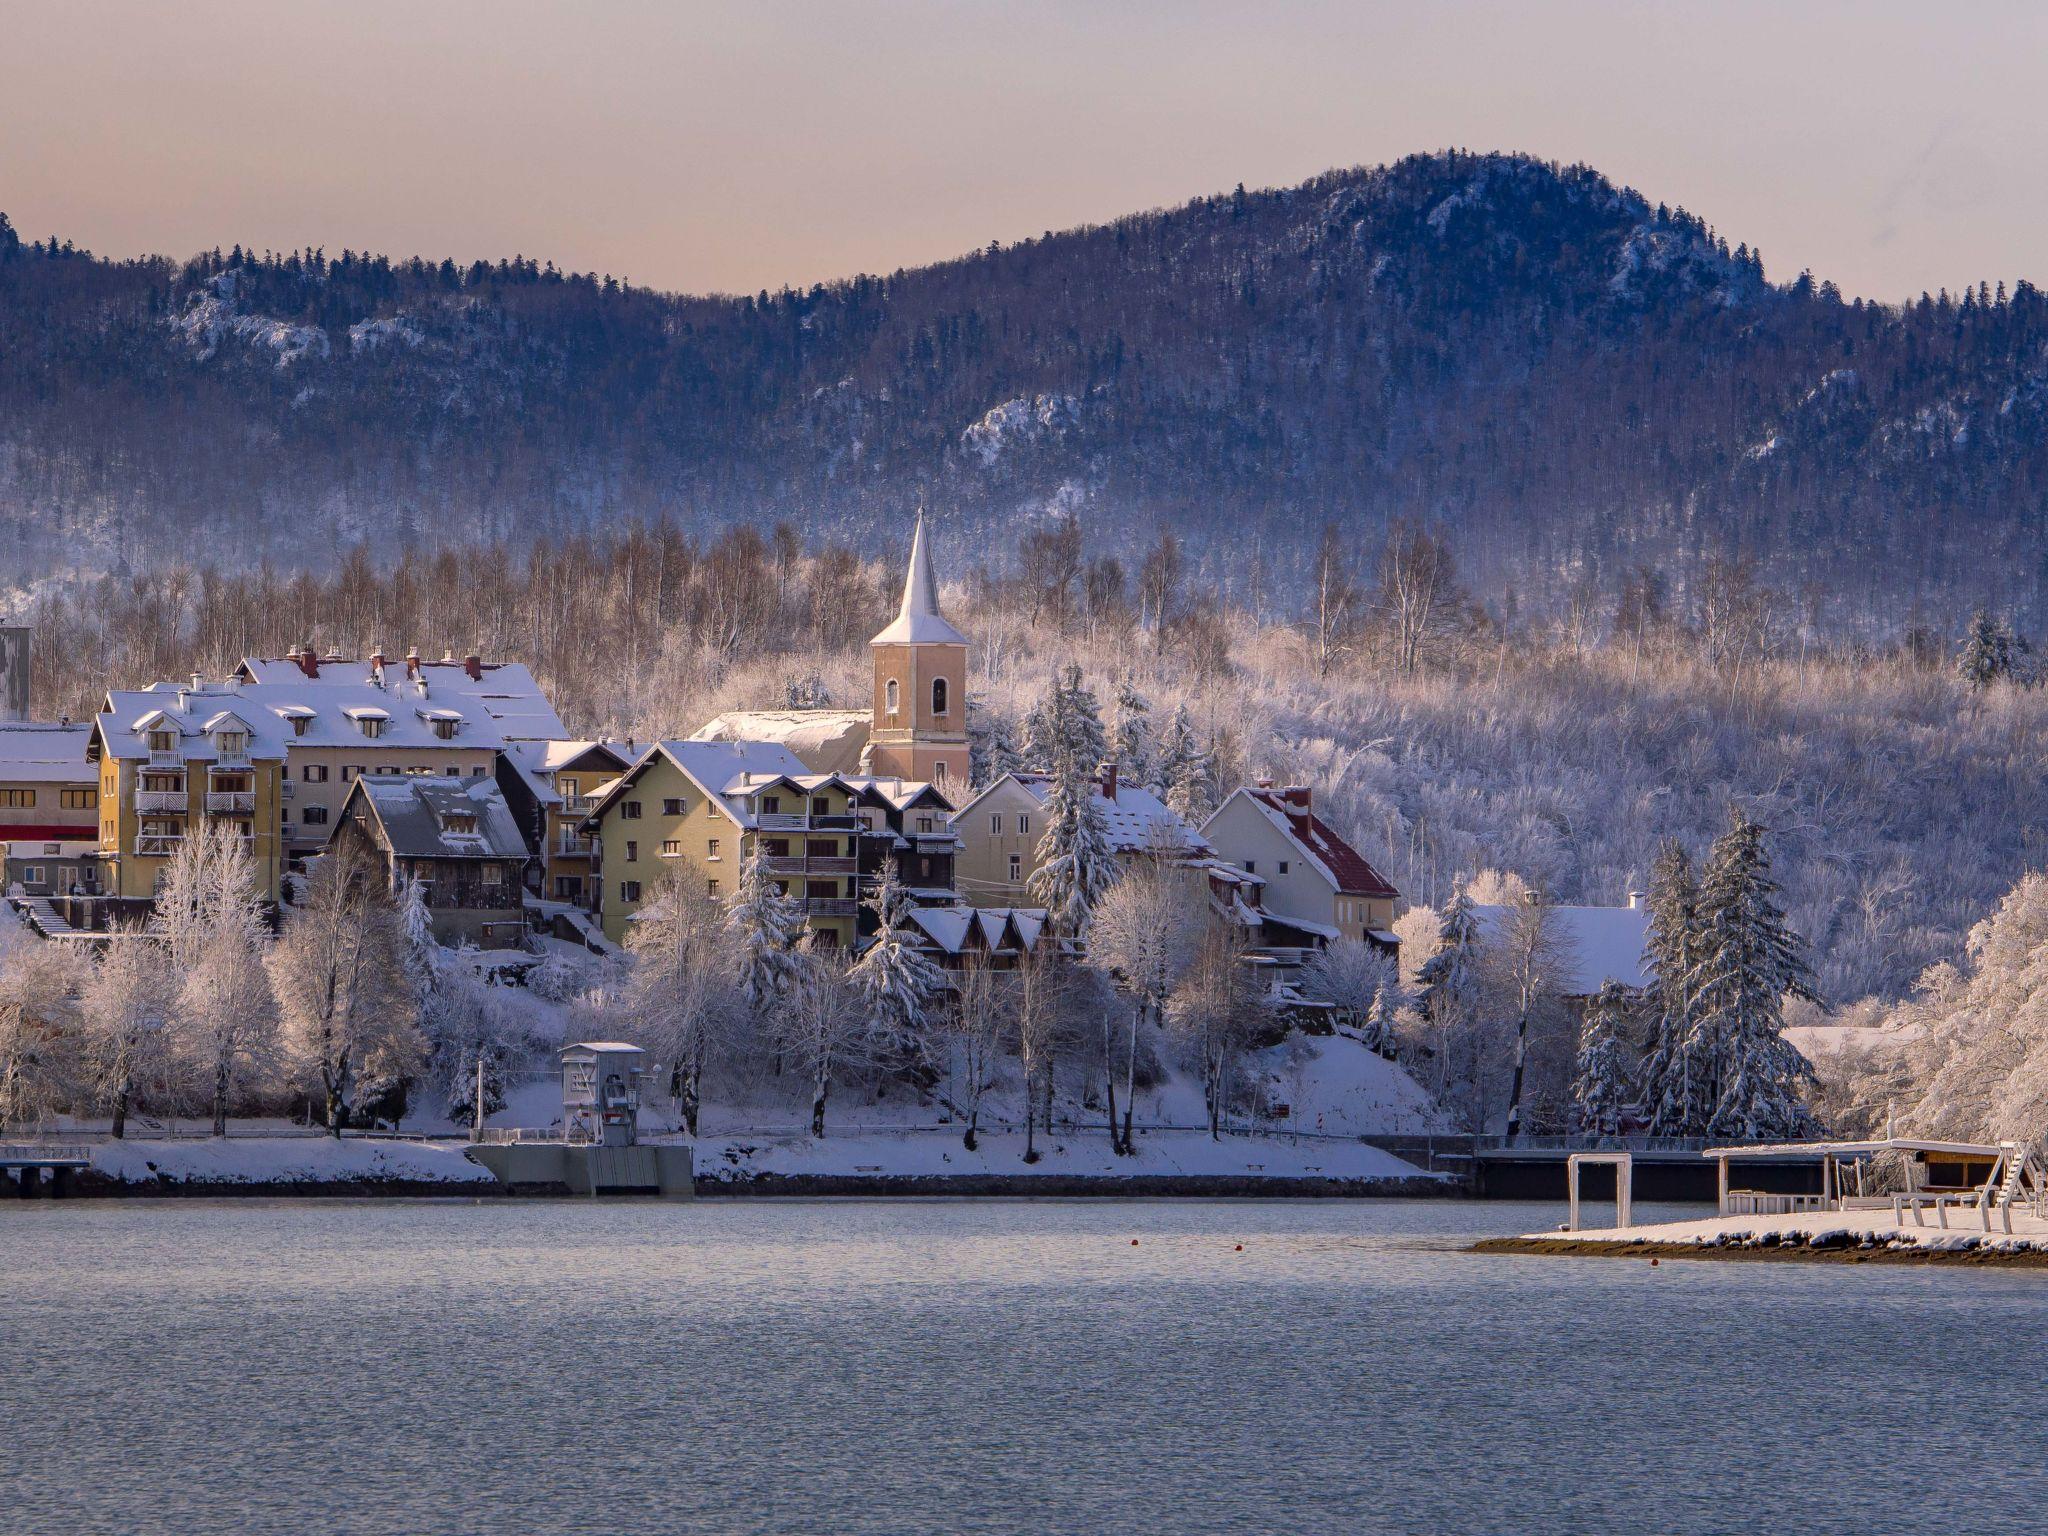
920, 706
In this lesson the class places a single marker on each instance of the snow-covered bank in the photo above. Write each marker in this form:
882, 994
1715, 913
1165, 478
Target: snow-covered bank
877, 1157
290, 1162
1856, 1235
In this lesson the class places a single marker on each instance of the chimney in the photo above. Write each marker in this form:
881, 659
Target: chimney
1296, 795
412, 662
308, 662
473, 665
1264, 783
1635, 901
377, 666
1109, 779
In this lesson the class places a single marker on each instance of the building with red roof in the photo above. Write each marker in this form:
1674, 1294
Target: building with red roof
1314, 879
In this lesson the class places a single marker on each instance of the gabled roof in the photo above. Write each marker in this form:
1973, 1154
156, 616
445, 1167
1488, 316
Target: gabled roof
713, 766
538, 762
123, 726
331, 714
958, 930
1137, 820
414, 812
918, 621
1315, 839
828, 740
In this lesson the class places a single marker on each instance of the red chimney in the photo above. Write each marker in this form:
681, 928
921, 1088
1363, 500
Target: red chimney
474, 666
308, 662
1109, 779
1296, 794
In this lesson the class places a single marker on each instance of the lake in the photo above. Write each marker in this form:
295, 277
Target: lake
981, 1366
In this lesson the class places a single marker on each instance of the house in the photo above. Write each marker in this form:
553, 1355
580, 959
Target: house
550, 786
49, 807
999, 831
998, 937
504, 691
1312, 878
1595, 945
915, 727
458, 838
171, 758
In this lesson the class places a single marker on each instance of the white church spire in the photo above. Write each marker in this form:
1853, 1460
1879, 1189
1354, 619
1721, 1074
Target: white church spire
918, 621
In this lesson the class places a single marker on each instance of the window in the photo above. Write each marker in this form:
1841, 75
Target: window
445, 729
889, 696
630, 810
349, 771
711, 887
476, 770
924, 823
672, 807
17, 799
1016, 868
995, 825
163, 741
568, 887
32, 874
671, 847
820, 806
299, 724
314, 815
572, 789
1023, 826
494, 874
452, 771
629, 890
1283, 866
1251, 866
711, 848
938, 695
939, 774
771, 805
230, 745
80, 799
459, 821
371, 726
315, 773
632, 851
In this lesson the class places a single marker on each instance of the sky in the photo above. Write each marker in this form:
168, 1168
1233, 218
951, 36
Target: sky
1894, 148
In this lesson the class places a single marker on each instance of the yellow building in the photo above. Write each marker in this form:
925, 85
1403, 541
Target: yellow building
693, 810
551, 787
172, 758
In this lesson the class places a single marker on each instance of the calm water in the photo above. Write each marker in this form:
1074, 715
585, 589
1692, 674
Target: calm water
1000, 1366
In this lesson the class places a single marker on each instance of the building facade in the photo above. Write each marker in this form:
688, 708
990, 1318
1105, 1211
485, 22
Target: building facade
1311, 877
1000, 828
458, 840
551, 787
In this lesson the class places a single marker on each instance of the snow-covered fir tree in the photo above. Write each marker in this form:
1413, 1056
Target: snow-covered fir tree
1678, 1078
1603, 1086
1184, 771
1987, 652
1749, 962
764, 925
1130, 737
1076, 862
991, 746
896, 983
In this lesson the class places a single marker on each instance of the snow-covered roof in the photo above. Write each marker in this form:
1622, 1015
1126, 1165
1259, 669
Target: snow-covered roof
1289, 812
729, 772
506, 691
1605, 943
425, 817
45, 753
918, 621
1136, 819
537, 763
283, 715
828, 740
956, 929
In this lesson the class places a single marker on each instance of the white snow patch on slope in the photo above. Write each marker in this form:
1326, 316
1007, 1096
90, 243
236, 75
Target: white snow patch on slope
1021, 421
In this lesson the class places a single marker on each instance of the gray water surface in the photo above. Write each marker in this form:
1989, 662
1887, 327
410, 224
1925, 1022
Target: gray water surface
942, 1366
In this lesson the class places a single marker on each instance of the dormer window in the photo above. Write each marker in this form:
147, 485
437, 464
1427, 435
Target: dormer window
163, 741
889, 695
371, 726
938, 696
458, 821
231, 746
445, 729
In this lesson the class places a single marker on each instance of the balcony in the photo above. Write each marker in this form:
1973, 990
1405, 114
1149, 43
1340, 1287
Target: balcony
166, 757
573, 847
151, 845
781, 823
160, 802
237, 802
798, 864
830, 906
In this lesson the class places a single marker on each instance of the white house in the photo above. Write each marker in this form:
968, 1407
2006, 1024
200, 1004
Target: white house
1312, 877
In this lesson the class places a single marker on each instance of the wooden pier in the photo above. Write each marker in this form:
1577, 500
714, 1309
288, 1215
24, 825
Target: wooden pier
38, 1165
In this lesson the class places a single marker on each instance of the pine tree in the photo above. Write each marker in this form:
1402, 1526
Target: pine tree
1603, 1087
991, 748
896, 982
1130, 741
1986, 654
1749, 961
1076, 862
1184, 772
1677, 1080
764, 925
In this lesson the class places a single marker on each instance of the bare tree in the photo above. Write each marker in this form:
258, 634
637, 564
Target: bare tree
1218, 1007
209, 917
982, 1006
1418, 590
127, 1008
819, 1025
345, 1003
1533, 956
684, 991
1145, 935
1333, 614
38, 1025
1039, 1004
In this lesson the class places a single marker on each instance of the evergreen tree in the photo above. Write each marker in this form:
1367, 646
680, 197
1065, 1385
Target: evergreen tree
1184, 771
1603, 1087
1749, 962
1130, 741
764, 925
1677, 1080
1986, 654
991, 748
895, 982
1076, 862
1450, 977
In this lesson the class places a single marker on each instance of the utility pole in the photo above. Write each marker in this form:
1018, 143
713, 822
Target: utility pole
476, 1129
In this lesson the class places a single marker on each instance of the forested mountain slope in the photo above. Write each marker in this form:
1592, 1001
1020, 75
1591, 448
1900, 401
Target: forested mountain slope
1568, 378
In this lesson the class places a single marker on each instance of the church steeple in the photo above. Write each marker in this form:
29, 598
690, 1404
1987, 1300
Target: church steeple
919, 728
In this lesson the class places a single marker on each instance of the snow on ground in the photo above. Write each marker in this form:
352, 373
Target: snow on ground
285, 1159
1070, 1151
1832, 1229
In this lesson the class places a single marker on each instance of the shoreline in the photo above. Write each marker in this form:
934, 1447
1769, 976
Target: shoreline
1967, 1249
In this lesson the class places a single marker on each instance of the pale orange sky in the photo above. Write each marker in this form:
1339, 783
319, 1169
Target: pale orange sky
1892, 147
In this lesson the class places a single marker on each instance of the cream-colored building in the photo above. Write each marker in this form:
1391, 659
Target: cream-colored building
1000, 830
49, 807
1312, 877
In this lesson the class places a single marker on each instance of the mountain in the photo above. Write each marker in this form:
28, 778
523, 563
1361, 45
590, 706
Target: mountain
1567, 378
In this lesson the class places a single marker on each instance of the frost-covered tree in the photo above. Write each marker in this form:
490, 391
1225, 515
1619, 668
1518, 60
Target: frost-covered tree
763, 925
991, 746
1076, 863
1184, 772
1146, 934
978, 1015
1976, 1040
1678, 1086
1603, 1085
209, 918
349, 1027
1988, 651
1530, 957
1218, 1007
684, 993
896, 983
1041, 1002
38, 1026
1130, 738
1362, 985
818, 1025
127, 1010
1749, 962
1066, 722
1450, 992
